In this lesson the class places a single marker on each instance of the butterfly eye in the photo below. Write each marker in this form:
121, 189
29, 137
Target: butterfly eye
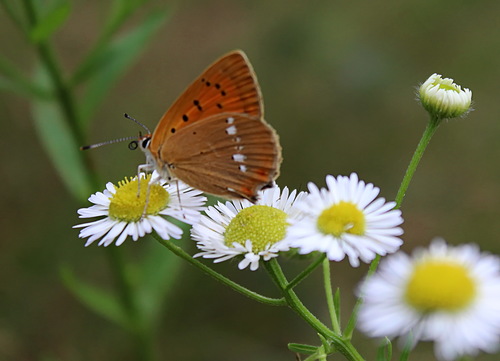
133, 145
145, 142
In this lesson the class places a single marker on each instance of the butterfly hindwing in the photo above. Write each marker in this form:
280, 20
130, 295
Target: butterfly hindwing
228, 154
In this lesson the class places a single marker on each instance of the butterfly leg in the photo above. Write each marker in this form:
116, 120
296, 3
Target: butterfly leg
146, 168
179, 197
148, 189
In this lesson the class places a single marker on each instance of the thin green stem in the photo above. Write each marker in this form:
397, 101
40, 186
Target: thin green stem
344, 346
429, 131
419, 152
178, 251
62, 92
63, 95
329, 296
306, 272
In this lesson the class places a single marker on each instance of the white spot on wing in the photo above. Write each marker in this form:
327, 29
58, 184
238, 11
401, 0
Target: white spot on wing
239, 157
231, 130
230, 120
243, 168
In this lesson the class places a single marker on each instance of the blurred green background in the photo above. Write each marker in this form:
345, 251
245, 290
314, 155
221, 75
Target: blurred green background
339, 81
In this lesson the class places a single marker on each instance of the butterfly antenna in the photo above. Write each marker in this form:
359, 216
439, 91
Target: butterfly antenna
137, 122
92, 146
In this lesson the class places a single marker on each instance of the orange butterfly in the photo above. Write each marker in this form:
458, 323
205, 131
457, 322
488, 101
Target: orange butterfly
214, 137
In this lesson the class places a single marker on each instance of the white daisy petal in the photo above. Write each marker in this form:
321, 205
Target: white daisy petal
210, 233
113, 232
179, 201
346, 219
461, 320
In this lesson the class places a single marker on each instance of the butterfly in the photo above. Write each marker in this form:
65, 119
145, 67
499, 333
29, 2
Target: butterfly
214, 136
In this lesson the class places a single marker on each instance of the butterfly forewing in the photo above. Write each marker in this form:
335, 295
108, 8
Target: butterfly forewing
229, 154
227, 86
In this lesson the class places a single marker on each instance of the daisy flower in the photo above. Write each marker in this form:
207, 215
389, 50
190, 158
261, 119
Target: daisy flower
346, 219
123, 211
443, 98
241, 228
444, 294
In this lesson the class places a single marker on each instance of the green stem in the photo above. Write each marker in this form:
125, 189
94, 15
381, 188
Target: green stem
62, 92
301, 276
141, 331
429, 131
419, 152
126, 291
178, 251
329, 296
344, 346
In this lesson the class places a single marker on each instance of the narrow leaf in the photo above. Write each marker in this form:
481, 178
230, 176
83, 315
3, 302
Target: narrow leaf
405, 354
351, 324
60, 144
49, 23
384, 352
13, 80
14, 14
336, 303
116, 59
303, 349
23, 89
94, 298
119, 13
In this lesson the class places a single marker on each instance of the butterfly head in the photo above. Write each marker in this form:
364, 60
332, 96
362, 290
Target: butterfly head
144, 141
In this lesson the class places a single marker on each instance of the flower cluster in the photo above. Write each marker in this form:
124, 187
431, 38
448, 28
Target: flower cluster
445, 294
344, 219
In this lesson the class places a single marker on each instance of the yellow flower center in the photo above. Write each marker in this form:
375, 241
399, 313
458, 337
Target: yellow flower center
343, 217
260, 224
440, 285
126, 205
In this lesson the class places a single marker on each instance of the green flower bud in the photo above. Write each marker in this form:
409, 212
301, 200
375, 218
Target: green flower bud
442, 98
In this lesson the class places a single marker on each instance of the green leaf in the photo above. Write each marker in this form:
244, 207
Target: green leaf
49, 23
13, 11
119, 13
94, 298
351, 324
13, 80
59, 143
405, 354
25, 89
302, 349
158, 273
116, 59
336, 304
384, 352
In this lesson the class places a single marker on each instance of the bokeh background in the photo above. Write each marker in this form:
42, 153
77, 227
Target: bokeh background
339, 81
